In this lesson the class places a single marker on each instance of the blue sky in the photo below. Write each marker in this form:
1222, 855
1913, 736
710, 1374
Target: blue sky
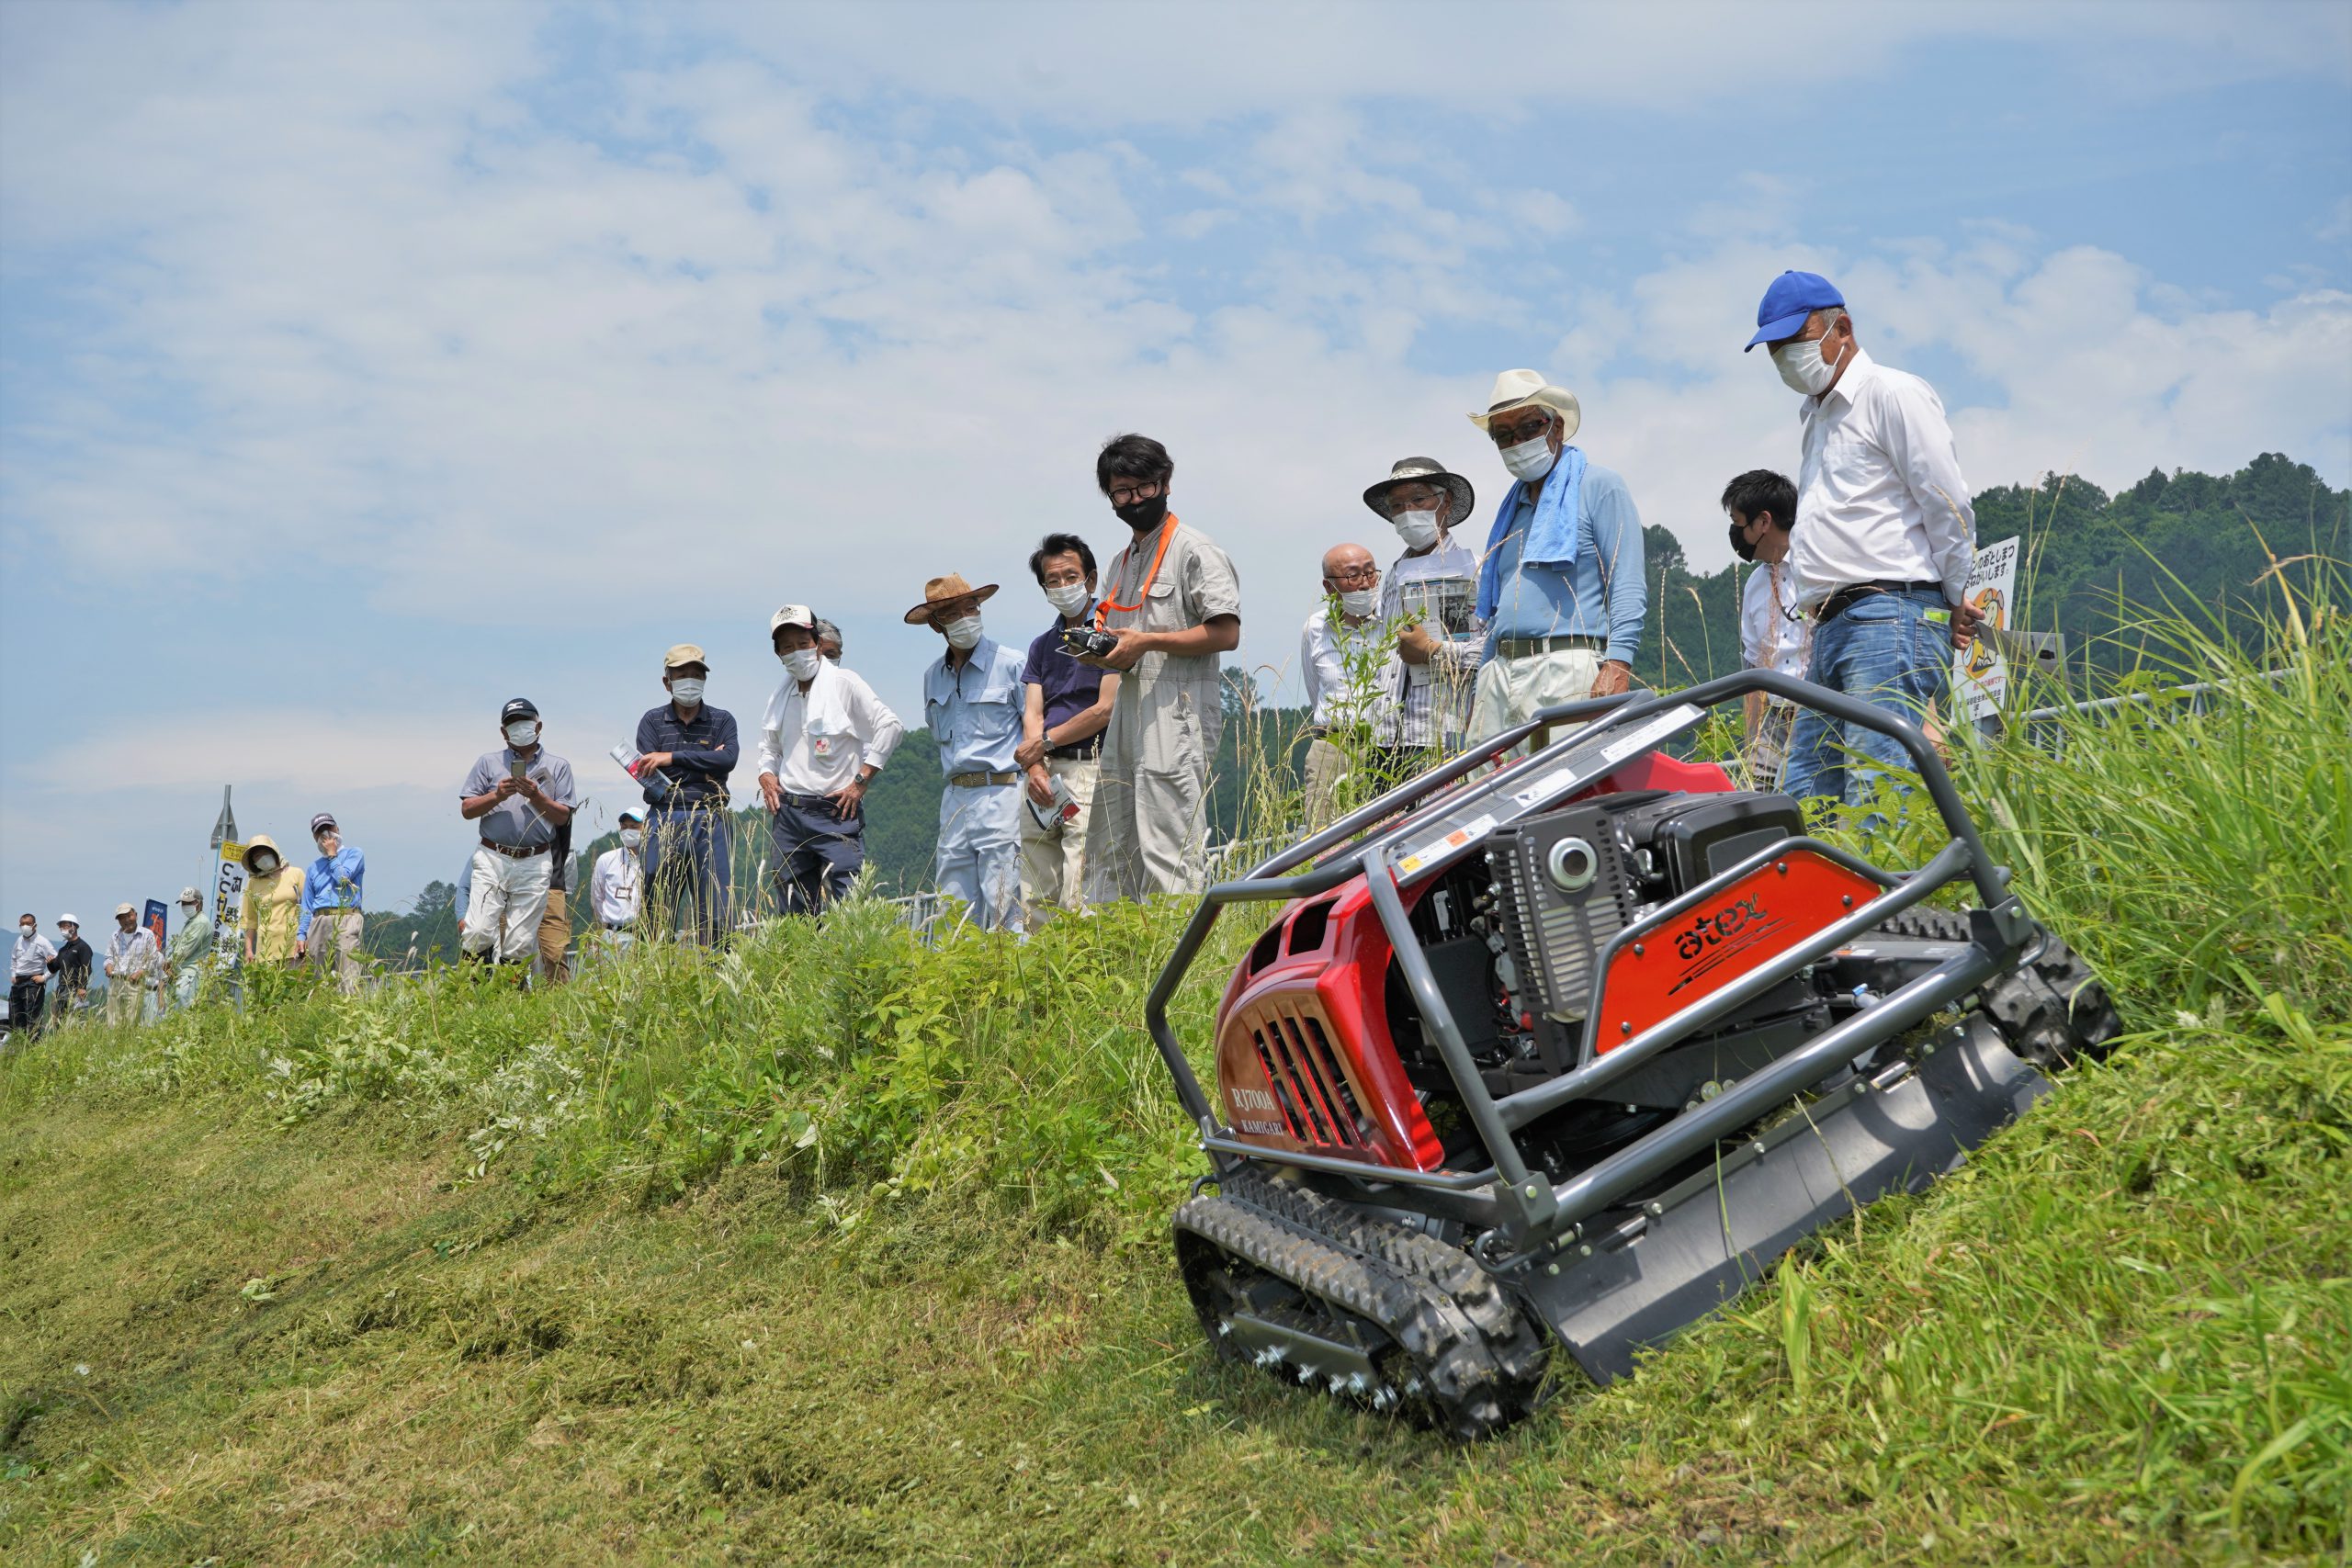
362, 367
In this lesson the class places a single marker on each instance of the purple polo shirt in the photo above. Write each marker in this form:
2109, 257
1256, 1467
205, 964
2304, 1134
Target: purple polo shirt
1071, 687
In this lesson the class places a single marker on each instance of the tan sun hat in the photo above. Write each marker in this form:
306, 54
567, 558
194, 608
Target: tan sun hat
939, 590
1522, 389
684, 653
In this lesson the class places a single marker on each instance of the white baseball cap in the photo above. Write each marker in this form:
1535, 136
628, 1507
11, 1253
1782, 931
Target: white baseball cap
792, 616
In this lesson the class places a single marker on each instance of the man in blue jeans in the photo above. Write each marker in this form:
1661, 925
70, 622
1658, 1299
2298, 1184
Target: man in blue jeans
1884, 535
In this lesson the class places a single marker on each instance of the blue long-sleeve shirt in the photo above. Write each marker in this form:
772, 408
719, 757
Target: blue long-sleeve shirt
331, 883
1601, 593
975, 712
703, 752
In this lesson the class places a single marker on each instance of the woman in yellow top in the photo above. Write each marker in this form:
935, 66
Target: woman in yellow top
273, 902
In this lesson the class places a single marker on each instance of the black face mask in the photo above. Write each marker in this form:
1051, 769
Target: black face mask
1739, 545
1143, 514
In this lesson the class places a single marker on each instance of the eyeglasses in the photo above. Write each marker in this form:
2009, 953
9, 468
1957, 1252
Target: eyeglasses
1354, 577
1512, 432
1127, 495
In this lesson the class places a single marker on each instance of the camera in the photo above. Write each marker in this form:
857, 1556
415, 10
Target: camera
1085, 642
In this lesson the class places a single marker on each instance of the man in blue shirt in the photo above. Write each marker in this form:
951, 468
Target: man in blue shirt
327, 931
972, 700
1560, 584
1064, 709
688, 749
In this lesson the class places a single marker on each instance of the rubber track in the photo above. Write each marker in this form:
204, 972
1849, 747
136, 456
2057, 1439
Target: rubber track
2050, 1009
1356, 1268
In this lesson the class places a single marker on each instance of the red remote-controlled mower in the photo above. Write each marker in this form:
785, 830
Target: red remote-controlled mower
1576, 1049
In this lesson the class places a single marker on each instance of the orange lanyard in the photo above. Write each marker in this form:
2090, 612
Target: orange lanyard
1167, 530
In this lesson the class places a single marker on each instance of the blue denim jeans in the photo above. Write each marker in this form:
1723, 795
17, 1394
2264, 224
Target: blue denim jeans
1885, 651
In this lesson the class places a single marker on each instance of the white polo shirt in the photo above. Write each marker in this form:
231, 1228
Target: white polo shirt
1879, 496
814, 743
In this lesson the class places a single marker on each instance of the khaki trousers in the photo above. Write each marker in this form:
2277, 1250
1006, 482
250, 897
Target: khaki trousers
555, 939
334, 947
1512, 691
1053, 860
1150, 831
1326, 769
124, 997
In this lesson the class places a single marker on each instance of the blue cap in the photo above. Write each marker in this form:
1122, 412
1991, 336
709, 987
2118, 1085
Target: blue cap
1792, 297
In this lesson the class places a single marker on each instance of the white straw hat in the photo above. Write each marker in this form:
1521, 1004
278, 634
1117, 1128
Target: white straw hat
1522, 389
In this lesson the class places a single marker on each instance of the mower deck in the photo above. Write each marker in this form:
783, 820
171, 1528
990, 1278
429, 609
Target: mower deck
1694, 1247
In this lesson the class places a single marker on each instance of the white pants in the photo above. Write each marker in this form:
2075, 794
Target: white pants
1053, 860
510, 898
1512, 691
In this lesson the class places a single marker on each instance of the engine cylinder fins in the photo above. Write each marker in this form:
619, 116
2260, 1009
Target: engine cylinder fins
2050, 1009
1359, 1308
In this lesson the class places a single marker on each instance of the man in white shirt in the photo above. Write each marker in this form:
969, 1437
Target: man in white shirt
1883, 538
616, 882
824, 737
1342, 663
28, 978
1773, 633
1430, 593
131, 963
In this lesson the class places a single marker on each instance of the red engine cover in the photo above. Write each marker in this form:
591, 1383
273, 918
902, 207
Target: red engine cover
1305, 1061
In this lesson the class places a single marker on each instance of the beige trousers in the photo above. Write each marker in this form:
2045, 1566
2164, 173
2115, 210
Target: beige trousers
1512, 691
1326, 769
1053, 860
334, 947
1151, 832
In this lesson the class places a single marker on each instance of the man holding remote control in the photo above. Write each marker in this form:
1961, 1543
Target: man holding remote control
1174, 606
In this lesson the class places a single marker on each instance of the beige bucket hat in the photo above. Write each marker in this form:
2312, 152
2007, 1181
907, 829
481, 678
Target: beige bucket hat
1520, 389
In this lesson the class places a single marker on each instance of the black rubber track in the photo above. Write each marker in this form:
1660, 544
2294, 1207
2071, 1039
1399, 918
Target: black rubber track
2050, 1009
1467, 1361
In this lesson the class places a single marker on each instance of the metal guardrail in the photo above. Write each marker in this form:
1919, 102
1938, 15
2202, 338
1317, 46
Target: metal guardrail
2108, 704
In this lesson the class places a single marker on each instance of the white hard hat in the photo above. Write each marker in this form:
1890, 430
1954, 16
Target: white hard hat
67, 920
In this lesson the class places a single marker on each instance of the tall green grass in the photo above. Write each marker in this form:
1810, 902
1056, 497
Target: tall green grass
2200, 859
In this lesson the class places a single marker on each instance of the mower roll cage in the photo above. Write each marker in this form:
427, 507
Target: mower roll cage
1508, 1197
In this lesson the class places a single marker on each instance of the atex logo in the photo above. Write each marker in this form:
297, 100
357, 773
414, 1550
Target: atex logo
1252, 1099
1725, 925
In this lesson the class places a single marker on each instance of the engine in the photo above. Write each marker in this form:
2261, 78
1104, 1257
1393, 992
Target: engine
1321, 1047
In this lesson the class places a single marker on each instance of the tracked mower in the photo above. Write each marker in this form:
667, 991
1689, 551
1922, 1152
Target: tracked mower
1570, 1049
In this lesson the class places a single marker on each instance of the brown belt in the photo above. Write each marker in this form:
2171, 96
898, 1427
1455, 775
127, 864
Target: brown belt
512, 852
981, 781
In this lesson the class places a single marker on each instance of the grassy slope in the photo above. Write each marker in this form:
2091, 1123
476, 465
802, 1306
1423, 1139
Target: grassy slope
2069, 1353
847, 1250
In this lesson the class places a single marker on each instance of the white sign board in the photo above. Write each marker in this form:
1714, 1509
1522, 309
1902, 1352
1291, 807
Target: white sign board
1979, 675
229, 895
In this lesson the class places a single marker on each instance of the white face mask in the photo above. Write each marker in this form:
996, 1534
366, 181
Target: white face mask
187, 912
801, 662
1530, 460
688, 689
523, 732
1359, 601
264, 864
631, 838
1418, 529
27, 931
1802, 366
1069, 599
963, 633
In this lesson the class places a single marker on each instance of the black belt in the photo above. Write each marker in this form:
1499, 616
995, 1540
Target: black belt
809, 802
515, 852
1853, 594
1084, 751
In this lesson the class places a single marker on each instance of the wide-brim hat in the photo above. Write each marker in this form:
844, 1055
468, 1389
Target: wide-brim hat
1424, 470
940, 590
1523, 389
